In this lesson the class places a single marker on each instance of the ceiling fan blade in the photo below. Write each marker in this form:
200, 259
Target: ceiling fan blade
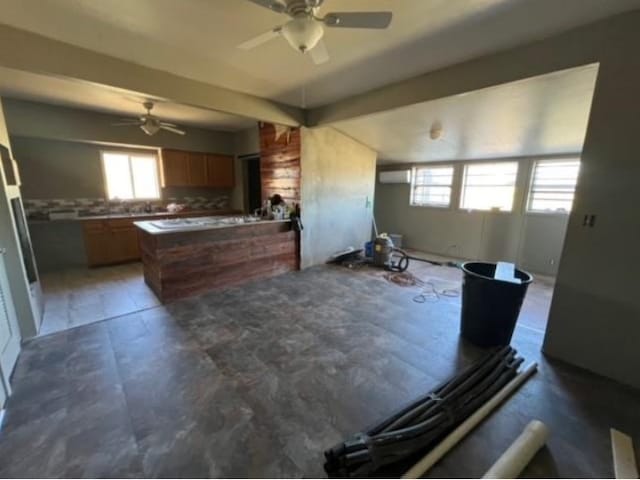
358, 19
273, 5
319, 53
260, 39
167, 124
173, 130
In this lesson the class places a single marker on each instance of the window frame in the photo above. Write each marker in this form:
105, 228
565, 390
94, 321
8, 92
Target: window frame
129, 154
451, 185
465, 167
530, 189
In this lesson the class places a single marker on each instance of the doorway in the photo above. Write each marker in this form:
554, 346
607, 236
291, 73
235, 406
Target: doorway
253, 183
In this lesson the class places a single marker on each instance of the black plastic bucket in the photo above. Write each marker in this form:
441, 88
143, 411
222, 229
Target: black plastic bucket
490, 307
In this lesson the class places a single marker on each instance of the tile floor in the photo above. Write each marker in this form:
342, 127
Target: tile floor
258, 380
82, 296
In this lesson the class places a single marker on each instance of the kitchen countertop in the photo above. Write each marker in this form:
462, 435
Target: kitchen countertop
133, 216
200, 223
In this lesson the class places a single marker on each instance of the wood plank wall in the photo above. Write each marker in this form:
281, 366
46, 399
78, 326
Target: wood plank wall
181, 264
280, 162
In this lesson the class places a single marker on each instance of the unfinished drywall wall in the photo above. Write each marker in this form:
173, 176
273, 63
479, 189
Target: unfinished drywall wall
531, 240
595, 313
338, 176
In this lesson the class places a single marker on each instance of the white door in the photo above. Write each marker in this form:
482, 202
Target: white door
9, 334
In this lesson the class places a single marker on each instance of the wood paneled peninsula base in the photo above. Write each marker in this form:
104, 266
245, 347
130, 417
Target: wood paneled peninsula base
187, 259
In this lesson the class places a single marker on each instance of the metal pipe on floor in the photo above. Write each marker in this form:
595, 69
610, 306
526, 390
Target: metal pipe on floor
469, 424
520, 452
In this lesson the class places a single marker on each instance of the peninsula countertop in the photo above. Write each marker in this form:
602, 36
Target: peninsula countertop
190, 224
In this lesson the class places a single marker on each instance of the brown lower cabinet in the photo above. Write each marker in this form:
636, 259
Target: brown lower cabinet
115, 240
110, 241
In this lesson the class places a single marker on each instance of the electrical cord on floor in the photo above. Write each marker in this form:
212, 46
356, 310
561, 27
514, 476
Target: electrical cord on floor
429, 293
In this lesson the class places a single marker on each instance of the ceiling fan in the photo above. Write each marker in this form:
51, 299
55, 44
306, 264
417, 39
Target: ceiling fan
149, 123
305, 30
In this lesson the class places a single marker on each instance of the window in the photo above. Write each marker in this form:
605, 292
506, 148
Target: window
489, 186
131, 175
552, 185
431, 186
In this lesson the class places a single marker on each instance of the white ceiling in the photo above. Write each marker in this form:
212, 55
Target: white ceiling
198, 38
537, 116
72, 93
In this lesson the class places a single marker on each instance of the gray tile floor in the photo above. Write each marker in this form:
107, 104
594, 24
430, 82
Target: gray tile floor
82, 296
258, 380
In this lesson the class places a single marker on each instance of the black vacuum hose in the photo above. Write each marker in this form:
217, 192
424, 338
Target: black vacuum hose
399, 260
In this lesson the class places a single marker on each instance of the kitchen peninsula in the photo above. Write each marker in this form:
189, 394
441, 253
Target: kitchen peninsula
189, 256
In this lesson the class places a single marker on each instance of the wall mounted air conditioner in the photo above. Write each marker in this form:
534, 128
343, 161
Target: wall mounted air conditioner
395, 176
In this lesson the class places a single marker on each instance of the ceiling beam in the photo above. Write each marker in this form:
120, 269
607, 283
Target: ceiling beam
22, 50
580, 46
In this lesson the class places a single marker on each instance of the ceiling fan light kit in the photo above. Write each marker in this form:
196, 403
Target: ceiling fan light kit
305, 30
150, 128
302, 33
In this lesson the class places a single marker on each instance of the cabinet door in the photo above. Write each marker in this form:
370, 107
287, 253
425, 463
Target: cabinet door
96, 242
220, 171
175, 168
197, 169
124, 244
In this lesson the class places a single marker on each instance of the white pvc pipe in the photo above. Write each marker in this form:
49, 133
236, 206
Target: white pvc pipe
469, 424
519, 454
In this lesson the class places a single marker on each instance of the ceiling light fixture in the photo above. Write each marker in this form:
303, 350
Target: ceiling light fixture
436, 130
302, 33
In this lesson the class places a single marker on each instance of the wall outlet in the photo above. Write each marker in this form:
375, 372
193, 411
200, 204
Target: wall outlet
552, 261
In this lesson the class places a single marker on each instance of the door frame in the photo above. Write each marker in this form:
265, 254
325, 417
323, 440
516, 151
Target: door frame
9, 352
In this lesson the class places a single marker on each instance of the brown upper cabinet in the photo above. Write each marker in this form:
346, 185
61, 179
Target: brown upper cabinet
197, 169
193, 169
175, 168
220, 171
